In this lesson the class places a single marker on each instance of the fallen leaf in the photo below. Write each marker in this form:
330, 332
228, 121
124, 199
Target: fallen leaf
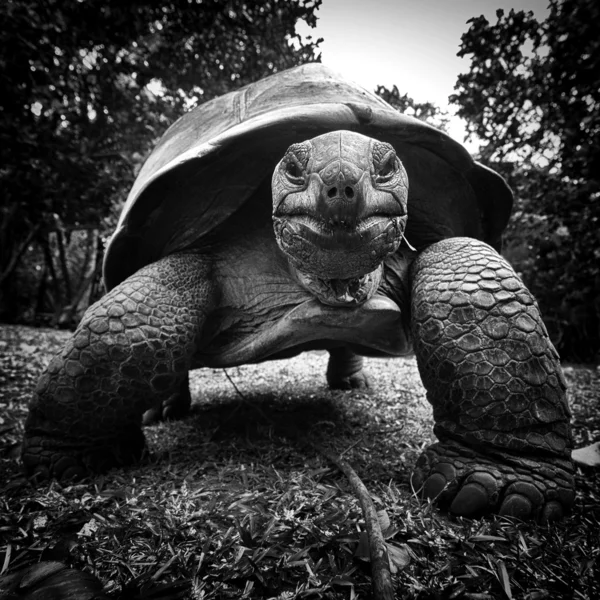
487, 538
384, 519
89, 529
504, 579
399, 557
588, 456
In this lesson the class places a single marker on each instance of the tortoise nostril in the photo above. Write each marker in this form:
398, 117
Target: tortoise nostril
348, 192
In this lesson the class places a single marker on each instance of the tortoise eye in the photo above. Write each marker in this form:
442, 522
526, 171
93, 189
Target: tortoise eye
295, 162
293, 171
387, 169
385, 162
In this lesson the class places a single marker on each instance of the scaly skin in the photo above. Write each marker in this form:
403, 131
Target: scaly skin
495, 384
131, 352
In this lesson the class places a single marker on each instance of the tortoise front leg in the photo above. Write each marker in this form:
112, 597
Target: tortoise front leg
495, 384
131, 352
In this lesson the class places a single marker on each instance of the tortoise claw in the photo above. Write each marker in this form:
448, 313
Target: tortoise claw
434, 486
44, 465
516, 505
553, 511
472, 499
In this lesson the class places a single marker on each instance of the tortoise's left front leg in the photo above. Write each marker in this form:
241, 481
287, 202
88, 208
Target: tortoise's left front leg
496, 387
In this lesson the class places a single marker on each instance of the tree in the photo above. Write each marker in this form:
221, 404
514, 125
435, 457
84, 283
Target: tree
424, 111
532, 95
88, 88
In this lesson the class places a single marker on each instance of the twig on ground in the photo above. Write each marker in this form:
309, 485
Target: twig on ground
247, 401
380, 562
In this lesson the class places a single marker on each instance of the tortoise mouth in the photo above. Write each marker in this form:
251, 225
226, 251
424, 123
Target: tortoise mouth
341, 292
338, 252
349, 235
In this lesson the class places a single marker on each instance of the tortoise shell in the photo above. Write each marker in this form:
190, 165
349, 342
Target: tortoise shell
215, 157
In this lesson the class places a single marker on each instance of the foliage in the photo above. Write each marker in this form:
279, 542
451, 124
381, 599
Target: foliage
532, 94
88, 88
234, 504
424, 111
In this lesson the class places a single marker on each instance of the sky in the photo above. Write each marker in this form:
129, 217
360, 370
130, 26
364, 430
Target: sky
408, 43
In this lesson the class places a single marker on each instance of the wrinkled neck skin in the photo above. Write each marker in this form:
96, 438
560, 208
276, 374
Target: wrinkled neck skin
339, 209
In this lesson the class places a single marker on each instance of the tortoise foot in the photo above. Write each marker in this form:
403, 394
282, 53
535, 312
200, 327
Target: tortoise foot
176, 406
45, 457
356, 381
469, 483
345, 370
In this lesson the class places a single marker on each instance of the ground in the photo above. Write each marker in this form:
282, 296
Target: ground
236, 502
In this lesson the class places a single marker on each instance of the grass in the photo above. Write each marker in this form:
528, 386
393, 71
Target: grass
233, 503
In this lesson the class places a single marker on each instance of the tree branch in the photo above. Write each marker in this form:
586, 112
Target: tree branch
380, 562
16, 255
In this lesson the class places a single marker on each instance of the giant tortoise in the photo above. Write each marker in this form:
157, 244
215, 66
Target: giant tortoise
382, 238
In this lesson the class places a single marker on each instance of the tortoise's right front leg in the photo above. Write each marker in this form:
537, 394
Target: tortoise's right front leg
131, 351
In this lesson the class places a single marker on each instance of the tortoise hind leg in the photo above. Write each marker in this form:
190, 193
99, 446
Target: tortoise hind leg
345, 370
495, 384
130, 353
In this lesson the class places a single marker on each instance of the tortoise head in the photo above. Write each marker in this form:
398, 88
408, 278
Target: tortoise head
339, 208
